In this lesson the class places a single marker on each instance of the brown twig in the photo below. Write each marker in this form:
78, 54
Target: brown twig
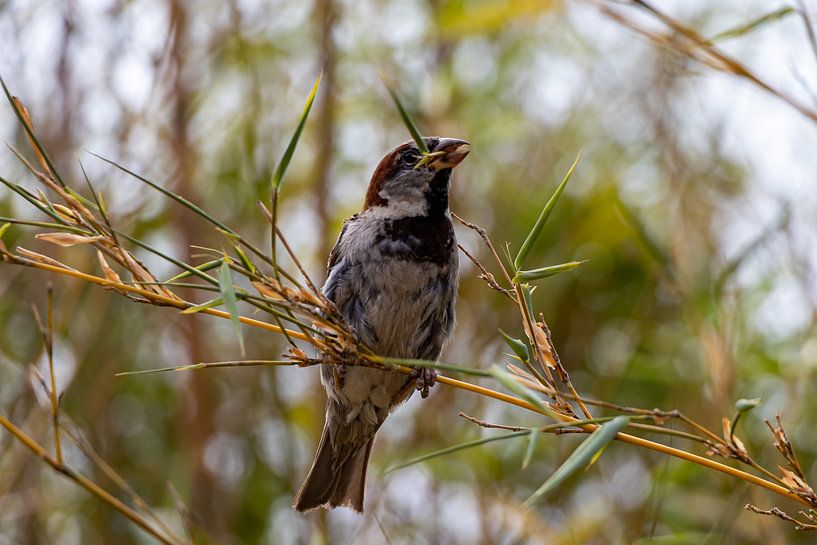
779, 513
485, 275
484, 236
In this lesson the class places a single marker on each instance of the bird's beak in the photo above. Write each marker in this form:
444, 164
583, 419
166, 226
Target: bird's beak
448, 153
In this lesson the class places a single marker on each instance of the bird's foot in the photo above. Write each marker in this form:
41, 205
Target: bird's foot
425, 378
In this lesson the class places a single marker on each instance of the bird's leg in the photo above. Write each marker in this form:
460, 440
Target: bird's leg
424, 379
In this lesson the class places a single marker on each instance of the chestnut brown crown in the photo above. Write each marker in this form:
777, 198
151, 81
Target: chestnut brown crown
405, 169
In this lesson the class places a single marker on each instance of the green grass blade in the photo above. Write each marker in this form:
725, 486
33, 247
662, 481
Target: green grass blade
581, 457
100, 202
176, 197
507, 380
435, 365
519, 347
455, 448
245, 261
533, 439
204, 306
544, 272
412, 128
225, 282
48, 225
181, 264
755, 24
32, 200
283, 164
543, 217
204, 267
207, 365
527, 295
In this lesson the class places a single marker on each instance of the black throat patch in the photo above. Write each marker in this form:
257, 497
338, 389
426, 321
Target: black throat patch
428, 238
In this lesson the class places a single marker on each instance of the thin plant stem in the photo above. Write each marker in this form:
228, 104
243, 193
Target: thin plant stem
484, 236
85, 483
480, 390
49, 346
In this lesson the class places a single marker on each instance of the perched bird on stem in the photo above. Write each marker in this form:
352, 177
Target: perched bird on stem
393, 277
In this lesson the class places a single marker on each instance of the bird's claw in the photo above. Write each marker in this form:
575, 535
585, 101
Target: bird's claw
425, 379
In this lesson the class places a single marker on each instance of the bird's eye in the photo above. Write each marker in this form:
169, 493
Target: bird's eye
411, 157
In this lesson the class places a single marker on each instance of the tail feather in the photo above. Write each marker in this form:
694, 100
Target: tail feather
338, 474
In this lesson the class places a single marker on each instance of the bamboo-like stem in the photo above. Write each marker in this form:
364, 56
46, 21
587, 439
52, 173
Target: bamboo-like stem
632, 410
631, 439
153, 296
480, 390
85, 483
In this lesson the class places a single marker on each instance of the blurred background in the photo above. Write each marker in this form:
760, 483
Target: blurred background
694, 203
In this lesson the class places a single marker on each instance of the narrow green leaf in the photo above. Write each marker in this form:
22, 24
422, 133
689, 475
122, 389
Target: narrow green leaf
455, 448
435, 365
581, 457
407, 121
225, 283
533, 439
48, 225
175, 196
283, 164
169, 258
24, 193
544, 272
4, 228
207, 365
507, 380
543, 217
519, 347
204, 306
204, 267
527, 295
755, 24
245, 261
80, 198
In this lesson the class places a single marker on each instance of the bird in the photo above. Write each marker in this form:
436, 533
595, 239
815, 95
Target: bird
393, 276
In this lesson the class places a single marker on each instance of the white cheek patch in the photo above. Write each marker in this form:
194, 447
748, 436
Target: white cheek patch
400, 207
405, 196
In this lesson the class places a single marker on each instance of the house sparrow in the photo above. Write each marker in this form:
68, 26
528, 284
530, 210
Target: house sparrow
393, 277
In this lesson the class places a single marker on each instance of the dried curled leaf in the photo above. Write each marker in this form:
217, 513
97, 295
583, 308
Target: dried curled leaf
139, 273
65, 212
271, 289
27, 120
40, 258
783, 445
109, 273
540, 339
795, 482
68, 239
